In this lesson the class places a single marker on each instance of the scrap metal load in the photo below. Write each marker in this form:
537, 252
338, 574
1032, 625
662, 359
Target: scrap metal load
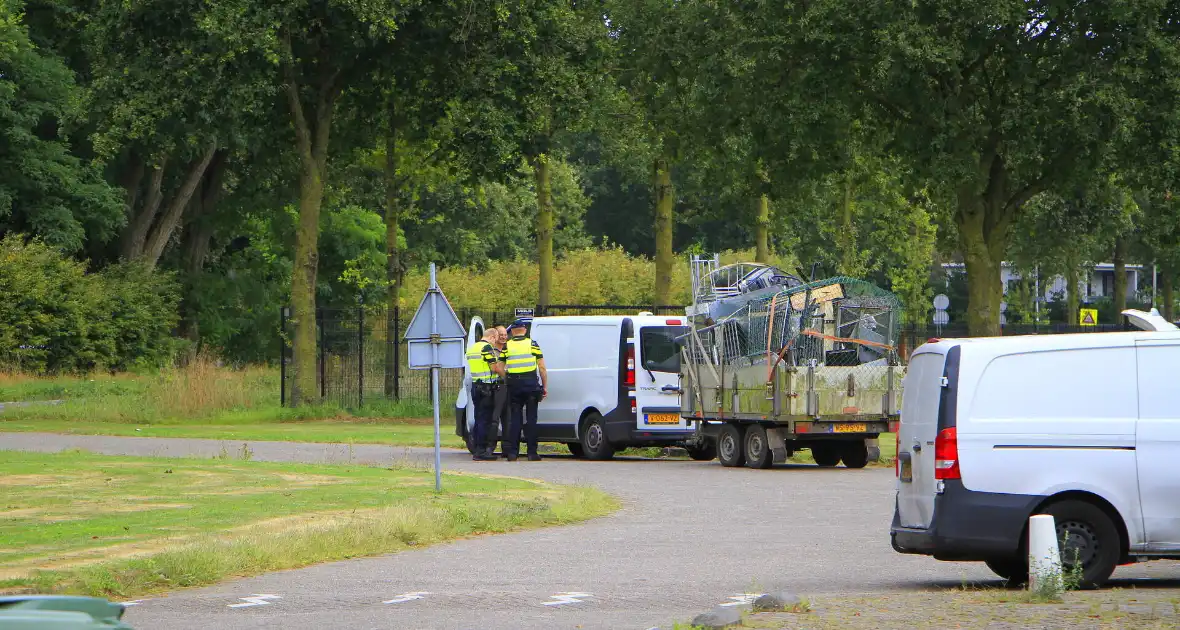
766, 346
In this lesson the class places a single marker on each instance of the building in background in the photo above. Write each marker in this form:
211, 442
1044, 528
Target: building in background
1093, 285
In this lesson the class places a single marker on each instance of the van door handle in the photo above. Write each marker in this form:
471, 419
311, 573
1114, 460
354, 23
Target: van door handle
669, 388
917, 446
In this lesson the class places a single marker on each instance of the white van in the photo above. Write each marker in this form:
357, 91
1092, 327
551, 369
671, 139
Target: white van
614, 382
1084, 427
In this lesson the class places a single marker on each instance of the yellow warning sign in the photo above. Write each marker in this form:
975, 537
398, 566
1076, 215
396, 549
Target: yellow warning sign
1088, 317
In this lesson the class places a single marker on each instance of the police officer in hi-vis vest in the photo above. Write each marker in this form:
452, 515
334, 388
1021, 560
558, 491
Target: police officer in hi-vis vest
528, 383
487, 376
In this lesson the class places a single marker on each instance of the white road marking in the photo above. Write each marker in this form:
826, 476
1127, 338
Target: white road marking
134, 602
406, 597
259, 599
744, 598
566, 598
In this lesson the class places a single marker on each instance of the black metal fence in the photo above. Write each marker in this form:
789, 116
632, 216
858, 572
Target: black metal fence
361, 356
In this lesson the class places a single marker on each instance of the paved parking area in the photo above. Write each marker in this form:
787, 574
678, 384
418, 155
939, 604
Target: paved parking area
691, 535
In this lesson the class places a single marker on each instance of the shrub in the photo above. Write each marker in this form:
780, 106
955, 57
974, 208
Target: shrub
607, 275
56, 317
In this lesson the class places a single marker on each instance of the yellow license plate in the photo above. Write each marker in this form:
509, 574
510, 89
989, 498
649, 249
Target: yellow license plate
663, 418
849, 427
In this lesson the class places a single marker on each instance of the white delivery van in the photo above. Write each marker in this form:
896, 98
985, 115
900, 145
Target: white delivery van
614, 382
1085, 427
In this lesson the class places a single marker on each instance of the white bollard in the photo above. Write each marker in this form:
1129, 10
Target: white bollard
1044, 558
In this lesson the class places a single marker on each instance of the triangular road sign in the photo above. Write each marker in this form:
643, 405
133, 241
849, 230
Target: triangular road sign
448, 326
1087, 319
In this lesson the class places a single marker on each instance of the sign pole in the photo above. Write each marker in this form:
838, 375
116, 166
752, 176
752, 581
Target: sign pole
434, 343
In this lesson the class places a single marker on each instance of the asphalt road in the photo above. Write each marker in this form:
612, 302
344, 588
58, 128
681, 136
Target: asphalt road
691, 535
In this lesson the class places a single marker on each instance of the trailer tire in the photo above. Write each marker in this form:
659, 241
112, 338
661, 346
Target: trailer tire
757, 448
594, 442
576, 449
854, 454
826, 455
730, 445
703, 452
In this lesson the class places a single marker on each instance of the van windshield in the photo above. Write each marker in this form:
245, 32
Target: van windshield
658, 347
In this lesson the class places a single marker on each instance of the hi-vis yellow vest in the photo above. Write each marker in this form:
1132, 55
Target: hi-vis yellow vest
519, 357
481, 372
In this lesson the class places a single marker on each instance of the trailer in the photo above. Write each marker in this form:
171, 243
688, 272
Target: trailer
772, 365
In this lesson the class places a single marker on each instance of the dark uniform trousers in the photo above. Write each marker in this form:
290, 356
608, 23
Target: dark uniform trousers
524, 392
483, 434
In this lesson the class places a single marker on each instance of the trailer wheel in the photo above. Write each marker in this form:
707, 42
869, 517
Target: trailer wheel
825, 454
703, 452
757, 449
576, 449
854, 454
729, 445
594, 442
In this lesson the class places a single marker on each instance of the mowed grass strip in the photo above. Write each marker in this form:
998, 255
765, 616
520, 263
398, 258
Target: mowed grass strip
87, 524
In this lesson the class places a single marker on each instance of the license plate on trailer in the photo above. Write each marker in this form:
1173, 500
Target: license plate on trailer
850, 427
662, 418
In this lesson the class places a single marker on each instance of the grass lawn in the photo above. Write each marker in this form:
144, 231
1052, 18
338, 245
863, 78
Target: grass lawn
82, 523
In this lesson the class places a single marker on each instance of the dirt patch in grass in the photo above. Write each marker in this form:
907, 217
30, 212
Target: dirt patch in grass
985, 608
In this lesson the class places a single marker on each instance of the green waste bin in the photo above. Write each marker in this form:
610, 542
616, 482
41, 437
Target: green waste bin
57, 612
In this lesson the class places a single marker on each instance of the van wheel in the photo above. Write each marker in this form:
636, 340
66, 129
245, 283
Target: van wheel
729, 445
576, 449
1014, 569
1086, 536
594, 443
703, 452
757, 447
854, 454
825, 455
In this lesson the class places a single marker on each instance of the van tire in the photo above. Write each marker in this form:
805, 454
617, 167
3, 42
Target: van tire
1014, 569
1091, 527
854, 454
703, 452
826, 455
576, 449
757, 448
730, 445
594, 443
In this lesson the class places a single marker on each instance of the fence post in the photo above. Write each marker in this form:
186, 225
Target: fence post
390, 333
360, 351
397, 353
283, 313
319, 315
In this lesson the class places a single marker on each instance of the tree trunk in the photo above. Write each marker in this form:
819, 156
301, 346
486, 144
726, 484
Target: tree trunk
393, 266
1072, 294
1165, 281
1120, 277
662, 187
762, 230
162, 232
311, 144
544, 229
847, 235
139, 224
130, 181
983, 258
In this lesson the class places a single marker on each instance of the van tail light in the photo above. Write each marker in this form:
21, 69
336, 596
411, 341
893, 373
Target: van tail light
897, 455
946, 455
629, 378
634, 410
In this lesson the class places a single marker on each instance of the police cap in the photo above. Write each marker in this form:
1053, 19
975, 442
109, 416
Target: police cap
520, 323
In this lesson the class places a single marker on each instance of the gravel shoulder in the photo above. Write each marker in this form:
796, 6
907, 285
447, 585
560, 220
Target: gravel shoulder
1146, 606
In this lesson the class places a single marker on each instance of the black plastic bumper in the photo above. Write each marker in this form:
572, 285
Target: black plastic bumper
967, 525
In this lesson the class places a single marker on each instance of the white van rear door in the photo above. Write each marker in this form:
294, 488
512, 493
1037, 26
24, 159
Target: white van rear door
657, 376
919, 426
474, 332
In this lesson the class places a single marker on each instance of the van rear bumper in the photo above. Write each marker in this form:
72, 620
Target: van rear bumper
968, 525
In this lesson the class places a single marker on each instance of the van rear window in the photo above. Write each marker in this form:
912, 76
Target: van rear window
658, 347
